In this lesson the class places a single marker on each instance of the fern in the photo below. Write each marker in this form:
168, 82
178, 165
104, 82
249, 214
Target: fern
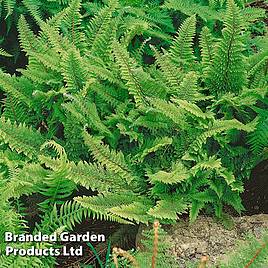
225, 73
21, 138
191, 7
101, 206
4, 53
181, 48
127, 71
258, 139
110, 159
169, 208
150, 122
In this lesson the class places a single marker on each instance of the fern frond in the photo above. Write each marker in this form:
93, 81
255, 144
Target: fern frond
21, 138
136, 211
190, 8
127, 68
86, 113
72, 20
101, 205
178, 174
207, 51
156, 145
113, 161
56, 187
15, 87
67, 215
181, 48
16, 111
225, 73
188, 89
169, 208
218, 127
24, 181
258, 140
95, 177
192, 108
9, 6
34, 9
73, 71
4, 53
101, 31
28, 40
176, 114
170, 72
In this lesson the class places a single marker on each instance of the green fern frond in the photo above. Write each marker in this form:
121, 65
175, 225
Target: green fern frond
73, 71
181, 48
16, 111
34, 9
67, 215
95, 177
258, 140
169, 208
86, 113
21, 138
24, 181
110, 94
192, 108
156, 145
4, 53
207, 50
170, 72
98, 26
72, 20
136, 211
101, 205
56, 188
190, 8
113, 160
17, 88
101, 31
251, 14
127, 68
218, 127
211, 163
178, 174
9, 6
188, 89
195, 208
170, 110
28, 40
225, 73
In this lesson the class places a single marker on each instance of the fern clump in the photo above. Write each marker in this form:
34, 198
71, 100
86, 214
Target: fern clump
153, 141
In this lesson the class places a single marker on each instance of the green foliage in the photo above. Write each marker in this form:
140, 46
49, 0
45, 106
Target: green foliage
153, 141
225, 73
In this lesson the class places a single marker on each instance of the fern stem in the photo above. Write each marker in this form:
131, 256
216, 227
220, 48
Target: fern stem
13, 109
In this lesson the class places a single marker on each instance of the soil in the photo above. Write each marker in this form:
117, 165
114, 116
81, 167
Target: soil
206, 237
255, 196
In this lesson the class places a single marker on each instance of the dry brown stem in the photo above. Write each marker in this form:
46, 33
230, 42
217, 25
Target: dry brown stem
203, 262
155, 248
126, 255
